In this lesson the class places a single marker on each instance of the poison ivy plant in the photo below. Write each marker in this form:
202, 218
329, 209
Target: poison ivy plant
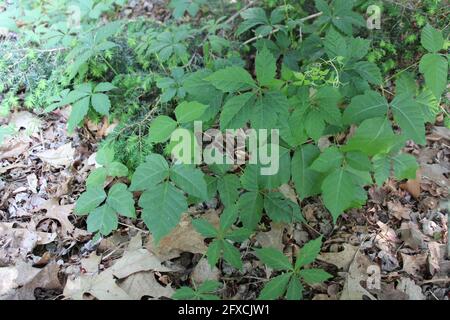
290, 282
163, 200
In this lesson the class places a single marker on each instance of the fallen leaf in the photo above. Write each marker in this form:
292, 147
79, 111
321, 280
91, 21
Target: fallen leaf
136, 259
341, 259
203, 271
437, 254
142, 284
413, 185
411, 235
357, 272
20, 281
90, 264
398, 210
101, 286
272, 238
60, 157
414, 264
409, 287
183, 238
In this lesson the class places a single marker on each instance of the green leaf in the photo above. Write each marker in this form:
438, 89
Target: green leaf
232, 79
250, 207
105, 156
312, 276
339, 192
161, 128
408, 114
101, 103
251, 179
431, 39
162, 206
274, 259
189, 111
330, 158
103, 219
117, 169
184, 293
435, 71
307, 181
79, 111
121, 200
275, 288
96, 178
308, 253
405, 166
228, 187
214, 251
205, 228
238, 235
228, 217
382, 169
265, 65
104, 86
232, 255
235, 112
89, 200
369, 105
357, 160
369, 71
190, 180
280, 209
154, 170
373, 136
209, 286
335, 44
294, 290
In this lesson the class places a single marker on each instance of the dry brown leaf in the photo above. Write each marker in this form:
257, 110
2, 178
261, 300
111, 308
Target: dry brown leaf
437, 254
183, 238
26, 121
357, 272
90, 264
20, 281
398, 210
272, 238
60, 157
18, 242
341, 259
435, 173
409, 287
414, 265
61, 213
101, 286
144, 283
203, 272
136, 259
413, 185
411, 235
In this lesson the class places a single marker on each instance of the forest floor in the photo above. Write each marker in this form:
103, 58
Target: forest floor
395, 247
